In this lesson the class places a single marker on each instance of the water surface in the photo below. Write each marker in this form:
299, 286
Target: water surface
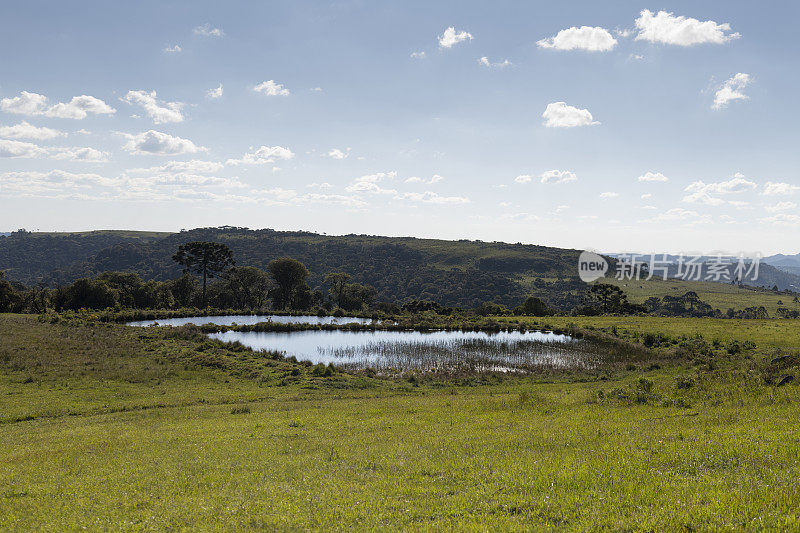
425, 351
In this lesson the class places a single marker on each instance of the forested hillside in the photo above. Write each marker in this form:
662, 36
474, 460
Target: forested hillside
461, 273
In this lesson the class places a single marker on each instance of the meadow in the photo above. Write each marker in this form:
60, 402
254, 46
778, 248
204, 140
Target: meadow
103, 426
722, 296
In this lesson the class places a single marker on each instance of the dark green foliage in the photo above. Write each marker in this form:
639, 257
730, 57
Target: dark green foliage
207, 259
291, 290
400, 269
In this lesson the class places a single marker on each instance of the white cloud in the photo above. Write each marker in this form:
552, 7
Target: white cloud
369, 183
271, 88
780, 206
607, 195
160, 112
86, 154
418, 55
79, 107
195, 166
430, 197
679, 214
646, 196
206, 30
653, 176
174, 49
335, 153
157, 143
524, 178
36, 104
451, 37
783, 219
707, 193
500, 64
666, 28
731, 90
557, 176
20, 149
772, 188
25, 104
561, 115
215, 93
436, 178
263, 155
24, 130
592, 39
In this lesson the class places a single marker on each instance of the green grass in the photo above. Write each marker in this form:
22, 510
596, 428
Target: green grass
722, 296
767, 334
351, 453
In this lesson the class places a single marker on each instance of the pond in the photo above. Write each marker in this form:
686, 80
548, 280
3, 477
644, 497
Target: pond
439, 351
242, 320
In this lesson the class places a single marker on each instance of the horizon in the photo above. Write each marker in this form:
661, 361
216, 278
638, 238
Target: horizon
659, 127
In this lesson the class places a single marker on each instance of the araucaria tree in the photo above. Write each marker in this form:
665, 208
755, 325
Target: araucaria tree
208, 259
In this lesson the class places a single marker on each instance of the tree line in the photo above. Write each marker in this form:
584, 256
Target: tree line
210, 278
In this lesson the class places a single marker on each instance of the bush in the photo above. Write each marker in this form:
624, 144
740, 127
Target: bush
240, 410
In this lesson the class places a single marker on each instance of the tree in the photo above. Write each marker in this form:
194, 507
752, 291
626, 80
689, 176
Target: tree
86, 293
249, 287
209, 259
534, 306
290, 276
608, 298
8, 296
337, 281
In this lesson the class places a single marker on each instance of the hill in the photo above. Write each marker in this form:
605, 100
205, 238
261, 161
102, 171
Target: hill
455, 273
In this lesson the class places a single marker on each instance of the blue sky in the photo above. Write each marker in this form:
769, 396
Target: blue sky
668, 127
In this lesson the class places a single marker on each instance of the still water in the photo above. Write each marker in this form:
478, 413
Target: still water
425, 351
242, 320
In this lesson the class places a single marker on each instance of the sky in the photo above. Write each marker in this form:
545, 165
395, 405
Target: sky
614, 126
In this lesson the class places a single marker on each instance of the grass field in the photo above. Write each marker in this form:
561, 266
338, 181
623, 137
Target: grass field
109, 427
722, 296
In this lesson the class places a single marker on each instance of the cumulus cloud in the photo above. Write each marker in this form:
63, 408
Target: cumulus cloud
159, 111
19, 149
33, 104
24, 130
451, 37
653, 176
195, 166
678, 214
206, 30
557, 176
25, 104
262, 156
157, 143
430, 197
731, 90
708, 193
561, 115
370, 183
79, 107
772, 188
666, 28
174, 49
436, 178
607, 195
271, 88
418, 55
499, 64
85, 154
335, 153
783, 219
215, 93
780, 206
523, 178
592, 39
